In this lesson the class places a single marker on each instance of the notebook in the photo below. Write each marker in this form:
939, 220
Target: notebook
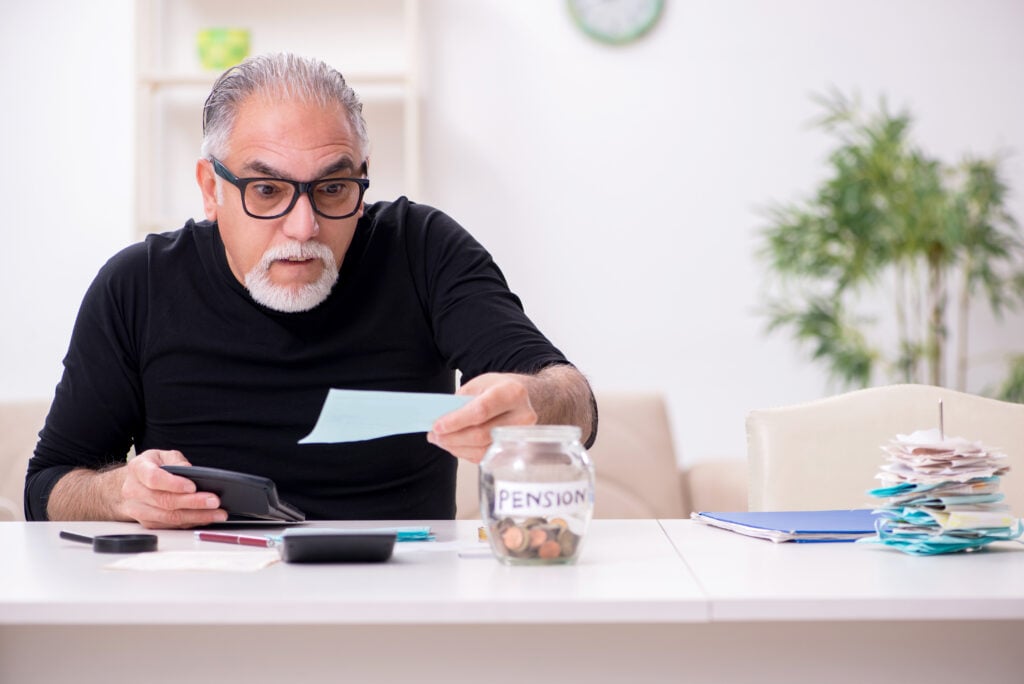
798, 526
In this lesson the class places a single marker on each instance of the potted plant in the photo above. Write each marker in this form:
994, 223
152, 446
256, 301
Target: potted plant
892, 224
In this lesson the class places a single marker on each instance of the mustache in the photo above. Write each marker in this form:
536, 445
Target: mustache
297, 250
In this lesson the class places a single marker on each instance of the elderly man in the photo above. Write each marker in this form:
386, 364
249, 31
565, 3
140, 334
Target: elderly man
216, 344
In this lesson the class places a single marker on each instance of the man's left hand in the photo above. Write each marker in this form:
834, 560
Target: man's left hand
499, 399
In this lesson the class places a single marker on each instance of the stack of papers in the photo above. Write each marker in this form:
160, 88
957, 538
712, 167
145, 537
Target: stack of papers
797, 526
941, 495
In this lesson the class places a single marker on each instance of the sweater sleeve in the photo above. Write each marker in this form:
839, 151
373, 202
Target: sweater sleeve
97, 406
479, 324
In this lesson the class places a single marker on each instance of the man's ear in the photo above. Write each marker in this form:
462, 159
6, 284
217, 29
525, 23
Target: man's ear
207, 180
366, 172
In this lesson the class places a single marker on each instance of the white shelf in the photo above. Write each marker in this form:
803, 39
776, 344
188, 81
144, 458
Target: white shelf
205, 79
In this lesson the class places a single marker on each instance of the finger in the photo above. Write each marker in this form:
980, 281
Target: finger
504, 398
163, 457
472, 443
475, 436
163, 509
170, 501
157, 518
148, 471
474, 413
473, 454
170, 457
479, 434
156, 487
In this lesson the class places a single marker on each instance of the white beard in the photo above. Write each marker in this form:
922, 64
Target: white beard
292, 299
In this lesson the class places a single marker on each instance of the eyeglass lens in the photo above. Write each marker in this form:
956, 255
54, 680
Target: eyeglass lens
332, 198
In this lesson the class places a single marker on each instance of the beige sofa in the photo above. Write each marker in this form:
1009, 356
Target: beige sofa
634, 458
637, 474
20, 423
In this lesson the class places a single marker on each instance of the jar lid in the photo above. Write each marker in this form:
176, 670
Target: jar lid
536, 433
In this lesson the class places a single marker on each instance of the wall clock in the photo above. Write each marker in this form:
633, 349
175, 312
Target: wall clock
616, 21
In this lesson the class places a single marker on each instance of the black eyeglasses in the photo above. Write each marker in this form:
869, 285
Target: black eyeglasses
270, 198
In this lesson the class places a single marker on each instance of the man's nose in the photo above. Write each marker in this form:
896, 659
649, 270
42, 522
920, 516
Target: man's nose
300, 223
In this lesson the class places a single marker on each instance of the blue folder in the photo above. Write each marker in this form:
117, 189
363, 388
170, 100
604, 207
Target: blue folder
797, 526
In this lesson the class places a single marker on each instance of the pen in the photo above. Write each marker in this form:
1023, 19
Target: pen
235, 539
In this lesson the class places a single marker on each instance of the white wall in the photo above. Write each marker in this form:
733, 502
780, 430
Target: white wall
619, 188
66, 122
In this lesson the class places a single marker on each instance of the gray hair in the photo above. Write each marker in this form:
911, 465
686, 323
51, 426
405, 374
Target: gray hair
283, 77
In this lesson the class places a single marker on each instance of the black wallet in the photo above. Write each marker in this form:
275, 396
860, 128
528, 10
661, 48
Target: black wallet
243, 496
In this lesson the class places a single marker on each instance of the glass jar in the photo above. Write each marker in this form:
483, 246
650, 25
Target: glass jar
536, 494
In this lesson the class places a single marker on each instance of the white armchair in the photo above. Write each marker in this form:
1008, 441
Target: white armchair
826, 453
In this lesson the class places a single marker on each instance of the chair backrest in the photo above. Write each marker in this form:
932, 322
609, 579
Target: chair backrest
826, 453
637, 475
20, 423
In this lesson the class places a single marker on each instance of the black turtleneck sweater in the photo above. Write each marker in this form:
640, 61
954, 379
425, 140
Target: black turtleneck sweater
169, 351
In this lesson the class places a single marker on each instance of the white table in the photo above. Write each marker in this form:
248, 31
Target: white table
843, 612
648, 601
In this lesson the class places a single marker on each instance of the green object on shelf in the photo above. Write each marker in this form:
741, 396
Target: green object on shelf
220, 48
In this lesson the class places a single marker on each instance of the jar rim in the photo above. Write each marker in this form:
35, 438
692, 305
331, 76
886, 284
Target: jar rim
536, 433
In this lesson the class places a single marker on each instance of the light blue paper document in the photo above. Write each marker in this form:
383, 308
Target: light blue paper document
356, 415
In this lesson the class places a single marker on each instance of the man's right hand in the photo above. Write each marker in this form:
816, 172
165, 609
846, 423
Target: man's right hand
140, 490
156, 498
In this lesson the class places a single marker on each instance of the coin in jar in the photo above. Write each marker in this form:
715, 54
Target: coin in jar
515, 539
568, 542
538, 535
549, 550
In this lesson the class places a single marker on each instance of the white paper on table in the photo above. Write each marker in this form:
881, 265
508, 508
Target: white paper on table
464, 549
226, 561
356, 415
